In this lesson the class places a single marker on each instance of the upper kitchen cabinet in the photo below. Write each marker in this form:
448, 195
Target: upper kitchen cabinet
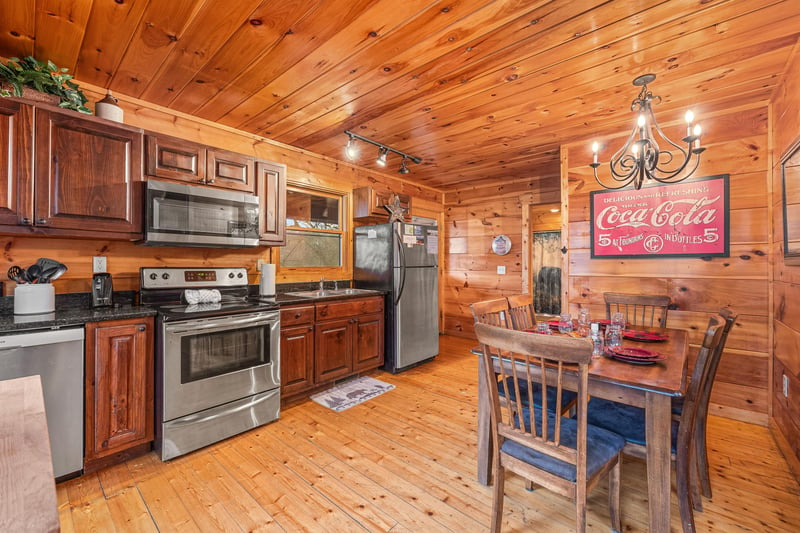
88, 174
271, 190
181, 160
16, 136
368, 203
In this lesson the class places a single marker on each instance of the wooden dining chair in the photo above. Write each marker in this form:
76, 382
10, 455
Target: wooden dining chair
520, 310
564, 455
629, 421
639, 309
492, 312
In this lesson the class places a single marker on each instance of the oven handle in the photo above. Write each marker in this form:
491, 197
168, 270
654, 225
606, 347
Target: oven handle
211, 325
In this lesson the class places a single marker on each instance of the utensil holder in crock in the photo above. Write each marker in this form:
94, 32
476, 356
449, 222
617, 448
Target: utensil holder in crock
34, 298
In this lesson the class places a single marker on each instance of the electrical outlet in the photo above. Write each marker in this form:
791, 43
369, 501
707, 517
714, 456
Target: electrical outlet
259, 263
98, 264
785, 386
501, 269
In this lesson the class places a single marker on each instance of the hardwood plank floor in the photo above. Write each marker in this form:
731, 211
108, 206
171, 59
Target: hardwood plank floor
401, 462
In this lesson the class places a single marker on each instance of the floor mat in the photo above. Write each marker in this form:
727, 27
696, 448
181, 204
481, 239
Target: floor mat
346, 395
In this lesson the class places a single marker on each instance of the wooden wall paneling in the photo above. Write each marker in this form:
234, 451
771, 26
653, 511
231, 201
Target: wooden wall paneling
60, 26
787, 349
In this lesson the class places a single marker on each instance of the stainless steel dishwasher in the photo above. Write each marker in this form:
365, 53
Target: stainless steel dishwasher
57, 356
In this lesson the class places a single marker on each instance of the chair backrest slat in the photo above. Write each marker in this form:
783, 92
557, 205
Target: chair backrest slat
639, 309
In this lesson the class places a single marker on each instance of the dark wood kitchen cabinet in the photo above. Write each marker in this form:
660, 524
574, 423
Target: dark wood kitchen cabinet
348, 337
271, 191
368, 204
181, 160
16, 149
88, 174
329, 340
119, 391
297, 349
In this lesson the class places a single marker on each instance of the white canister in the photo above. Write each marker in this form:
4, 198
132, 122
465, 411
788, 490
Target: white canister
107, 108
34, 299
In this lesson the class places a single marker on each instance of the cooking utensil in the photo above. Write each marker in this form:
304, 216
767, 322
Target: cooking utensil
52, 273
45, 263
17, 274
34, 272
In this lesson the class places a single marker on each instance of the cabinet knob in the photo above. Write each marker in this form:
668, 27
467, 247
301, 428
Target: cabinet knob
298, 315
141, 327
209, 180
41, 221
26, 220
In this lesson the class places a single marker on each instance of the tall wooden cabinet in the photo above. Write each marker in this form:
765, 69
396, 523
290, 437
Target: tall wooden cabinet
271, 191
119, 390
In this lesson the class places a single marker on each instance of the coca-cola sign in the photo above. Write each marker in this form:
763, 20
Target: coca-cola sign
687, 219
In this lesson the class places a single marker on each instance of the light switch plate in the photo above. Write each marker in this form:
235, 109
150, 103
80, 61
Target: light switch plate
98, 264
501, 269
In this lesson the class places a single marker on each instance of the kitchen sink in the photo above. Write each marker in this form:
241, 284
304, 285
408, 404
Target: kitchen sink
331, 292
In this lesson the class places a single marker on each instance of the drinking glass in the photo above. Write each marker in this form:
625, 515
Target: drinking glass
543, 328
618, 319
584, 322
613, 335
565, 323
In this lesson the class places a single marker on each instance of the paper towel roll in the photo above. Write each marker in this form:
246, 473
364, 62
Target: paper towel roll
267, 286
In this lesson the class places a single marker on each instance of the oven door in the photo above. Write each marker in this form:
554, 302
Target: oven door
211, 361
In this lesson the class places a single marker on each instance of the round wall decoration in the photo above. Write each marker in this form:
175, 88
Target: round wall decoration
501, 245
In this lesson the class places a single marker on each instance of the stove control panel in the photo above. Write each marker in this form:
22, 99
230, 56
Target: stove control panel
193, 278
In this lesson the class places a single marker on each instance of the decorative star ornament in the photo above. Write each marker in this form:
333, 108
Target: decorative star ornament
396, 211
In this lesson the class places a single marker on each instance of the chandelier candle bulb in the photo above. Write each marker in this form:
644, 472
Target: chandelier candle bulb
689, 120
595, 149
697, 131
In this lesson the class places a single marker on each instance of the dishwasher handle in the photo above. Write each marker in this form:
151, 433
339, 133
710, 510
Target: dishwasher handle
39, 338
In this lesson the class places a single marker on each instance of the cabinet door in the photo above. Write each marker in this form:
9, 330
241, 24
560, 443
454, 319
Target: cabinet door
119, 386
88, 174
297, 359
368, 344
16, 138
333, 340
271, 191
176, 159
229, 170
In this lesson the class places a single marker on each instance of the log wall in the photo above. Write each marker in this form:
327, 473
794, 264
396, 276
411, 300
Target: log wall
125, 258
785, 420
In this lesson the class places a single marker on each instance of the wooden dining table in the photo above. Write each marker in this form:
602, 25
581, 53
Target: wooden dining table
649, 386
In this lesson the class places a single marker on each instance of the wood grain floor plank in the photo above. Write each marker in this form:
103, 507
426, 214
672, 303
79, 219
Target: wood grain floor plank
403, 462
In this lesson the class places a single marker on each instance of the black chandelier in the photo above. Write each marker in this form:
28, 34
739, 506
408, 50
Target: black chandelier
351, 151
640, 157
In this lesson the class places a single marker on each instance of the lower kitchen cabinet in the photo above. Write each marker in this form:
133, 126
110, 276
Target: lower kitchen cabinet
329, 340
119, 391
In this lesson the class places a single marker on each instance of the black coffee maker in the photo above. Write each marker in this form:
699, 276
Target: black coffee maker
102, 290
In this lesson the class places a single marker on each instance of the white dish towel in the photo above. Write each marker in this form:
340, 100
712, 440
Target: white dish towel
202, 296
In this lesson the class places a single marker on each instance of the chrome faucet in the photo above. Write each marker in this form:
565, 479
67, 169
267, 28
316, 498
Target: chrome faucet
322, 283
336, 284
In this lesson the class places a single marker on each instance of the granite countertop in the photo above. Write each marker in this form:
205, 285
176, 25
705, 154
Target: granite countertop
72, 310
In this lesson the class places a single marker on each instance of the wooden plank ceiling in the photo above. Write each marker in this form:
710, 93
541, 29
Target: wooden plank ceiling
481, 90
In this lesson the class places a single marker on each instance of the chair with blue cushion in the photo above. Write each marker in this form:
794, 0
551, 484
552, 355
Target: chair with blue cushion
639, 309
629, 421
564, 455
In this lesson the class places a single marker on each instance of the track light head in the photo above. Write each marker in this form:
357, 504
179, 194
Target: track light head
403, 167
382, 156
351, 150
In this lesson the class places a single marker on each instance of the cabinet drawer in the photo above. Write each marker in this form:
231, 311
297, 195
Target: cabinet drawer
360, 306
297, 315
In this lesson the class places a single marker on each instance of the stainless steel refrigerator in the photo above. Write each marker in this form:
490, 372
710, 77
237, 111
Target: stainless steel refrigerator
401, 258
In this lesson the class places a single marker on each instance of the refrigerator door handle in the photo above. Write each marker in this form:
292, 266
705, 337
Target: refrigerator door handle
401, 253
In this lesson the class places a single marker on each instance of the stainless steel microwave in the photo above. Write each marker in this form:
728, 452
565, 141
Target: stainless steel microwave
190, 215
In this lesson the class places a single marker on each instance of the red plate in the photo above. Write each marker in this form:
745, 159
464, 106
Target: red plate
631, 352
644, 336
553, 324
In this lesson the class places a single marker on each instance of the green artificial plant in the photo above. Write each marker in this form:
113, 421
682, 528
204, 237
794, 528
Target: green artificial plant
44, 77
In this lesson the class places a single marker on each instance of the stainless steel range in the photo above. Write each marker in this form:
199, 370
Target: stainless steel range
217, 359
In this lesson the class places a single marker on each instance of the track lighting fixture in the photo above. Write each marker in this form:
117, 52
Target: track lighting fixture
351, 151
